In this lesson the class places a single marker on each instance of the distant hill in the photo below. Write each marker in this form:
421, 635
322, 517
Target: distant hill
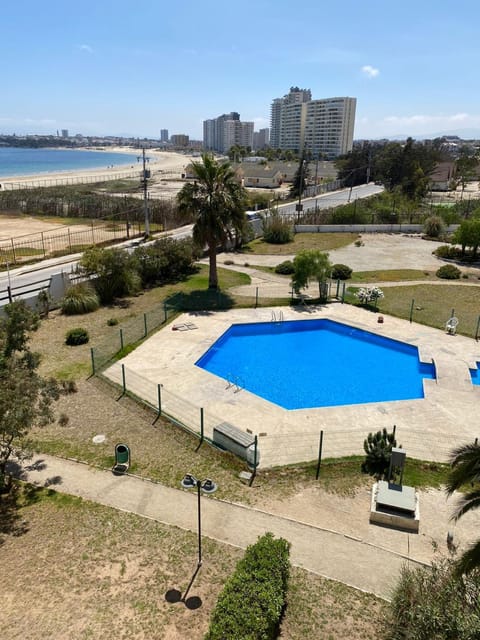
463, 134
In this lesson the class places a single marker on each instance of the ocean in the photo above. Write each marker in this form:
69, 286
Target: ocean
19, 161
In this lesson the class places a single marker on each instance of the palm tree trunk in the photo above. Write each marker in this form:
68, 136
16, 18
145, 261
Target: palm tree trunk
212, 274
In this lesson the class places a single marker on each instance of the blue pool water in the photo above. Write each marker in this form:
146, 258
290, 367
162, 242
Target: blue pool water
316, 363
475, 374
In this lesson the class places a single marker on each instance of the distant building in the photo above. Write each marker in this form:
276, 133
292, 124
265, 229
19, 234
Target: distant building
64, 133
179, 140
163, 135
318, 127
261, 139
219, 134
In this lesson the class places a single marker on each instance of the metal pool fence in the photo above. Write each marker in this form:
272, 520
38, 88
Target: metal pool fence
293, 446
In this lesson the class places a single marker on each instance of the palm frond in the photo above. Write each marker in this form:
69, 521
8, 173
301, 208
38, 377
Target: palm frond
465, 463
469, 560
466, 503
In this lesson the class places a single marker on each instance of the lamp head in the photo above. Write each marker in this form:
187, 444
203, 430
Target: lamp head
189, 481
208, 486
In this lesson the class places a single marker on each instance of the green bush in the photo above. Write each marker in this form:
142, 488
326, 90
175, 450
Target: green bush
448, 272
285, 268
433, 226
112, 322
378, 449
113, 271
253, 599
77, 336
431, 602
276, 229
341, 272
448, 251
80, 298
166, 260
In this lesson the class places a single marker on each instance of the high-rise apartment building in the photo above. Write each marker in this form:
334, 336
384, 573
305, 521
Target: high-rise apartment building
163, 135
295, 96
64, 133
219, 134
316, 126
261, 139
179, 140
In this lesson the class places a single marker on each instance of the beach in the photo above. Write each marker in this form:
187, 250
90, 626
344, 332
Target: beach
168, 163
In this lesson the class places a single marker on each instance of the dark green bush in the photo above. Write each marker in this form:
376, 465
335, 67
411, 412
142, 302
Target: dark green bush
166, 260
448, 272
112, 322
378, 449
114, 272
80, 298
77, 336
252, 601
285, 268
276, 229
341, 272
432, 602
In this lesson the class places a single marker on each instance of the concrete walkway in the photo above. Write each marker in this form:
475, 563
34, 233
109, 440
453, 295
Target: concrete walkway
331, 554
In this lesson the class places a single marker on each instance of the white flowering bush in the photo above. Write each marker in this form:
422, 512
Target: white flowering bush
369, 294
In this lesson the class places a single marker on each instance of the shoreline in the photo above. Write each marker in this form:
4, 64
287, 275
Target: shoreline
161, 161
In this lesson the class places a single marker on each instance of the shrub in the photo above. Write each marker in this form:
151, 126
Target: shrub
277, 229
433, 226
285, 268
366, 295
80, 298
378, 448
114, 272
63, 420
448, 272
77, 336
166, 260
112, 322
69, 386
431, 602
447, 251
341, 272
252, 601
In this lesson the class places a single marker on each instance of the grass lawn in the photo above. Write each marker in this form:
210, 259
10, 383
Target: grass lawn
391, 275
433, 305
76, 569
321, 241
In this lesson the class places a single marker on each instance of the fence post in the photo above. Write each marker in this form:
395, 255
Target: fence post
411, 310
159, 394
93, 234
343, 293
92, 357
121, 339
201, 425
9, 292
43, 244
256, 297
145, 324
124, 383
320, 446
13, 252
165, 312
69, 240
478, 327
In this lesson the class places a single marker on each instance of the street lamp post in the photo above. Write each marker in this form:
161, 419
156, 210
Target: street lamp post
207, 486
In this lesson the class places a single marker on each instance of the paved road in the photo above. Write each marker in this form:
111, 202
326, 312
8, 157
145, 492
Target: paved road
329, 553
334, 199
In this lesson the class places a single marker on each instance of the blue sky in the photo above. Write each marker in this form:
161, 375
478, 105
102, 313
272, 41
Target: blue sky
133, 68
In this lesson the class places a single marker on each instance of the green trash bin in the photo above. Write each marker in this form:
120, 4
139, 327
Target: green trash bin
122, 457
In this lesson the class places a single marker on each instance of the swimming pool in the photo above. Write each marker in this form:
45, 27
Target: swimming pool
475, 374
302, 364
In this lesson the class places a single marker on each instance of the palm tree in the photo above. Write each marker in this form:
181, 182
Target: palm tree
217, 201
465, 469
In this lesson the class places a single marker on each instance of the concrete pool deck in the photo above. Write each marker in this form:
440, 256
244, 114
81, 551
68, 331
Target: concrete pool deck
427, 428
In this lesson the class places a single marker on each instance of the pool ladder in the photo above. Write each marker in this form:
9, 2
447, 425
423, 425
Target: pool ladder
276, 318
235, 381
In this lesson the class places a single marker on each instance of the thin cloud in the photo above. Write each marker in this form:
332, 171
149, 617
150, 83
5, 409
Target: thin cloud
432, 119
86, 47
369, 71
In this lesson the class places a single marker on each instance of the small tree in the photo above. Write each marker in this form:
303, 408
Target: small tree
25, 397
114, 272
310, 264
433, 227
367, 295
378, 448
299, 179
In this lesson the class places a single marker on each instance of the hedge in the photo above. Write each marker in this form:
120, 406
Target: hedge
252, 602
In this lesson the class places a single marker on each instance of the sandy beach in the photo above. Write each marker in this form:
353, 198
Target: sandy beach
169, 163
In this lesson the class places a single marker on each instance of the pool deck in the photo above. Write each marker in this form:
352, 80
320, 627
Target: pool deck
427, 428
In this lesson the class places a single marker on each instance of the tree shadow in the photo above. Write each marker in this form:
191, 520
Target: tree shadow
201, 300
11, 523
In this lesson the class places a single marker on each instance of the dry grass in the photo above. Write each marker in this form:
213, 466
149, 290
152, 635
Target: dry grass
82, 570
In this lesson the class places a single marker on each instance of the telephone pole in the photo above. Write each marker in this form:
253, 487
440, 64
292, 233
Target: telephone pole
144, 183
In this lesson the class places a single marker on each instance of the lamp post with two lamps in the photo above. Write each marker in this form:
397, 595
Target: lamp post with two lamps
208, 486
